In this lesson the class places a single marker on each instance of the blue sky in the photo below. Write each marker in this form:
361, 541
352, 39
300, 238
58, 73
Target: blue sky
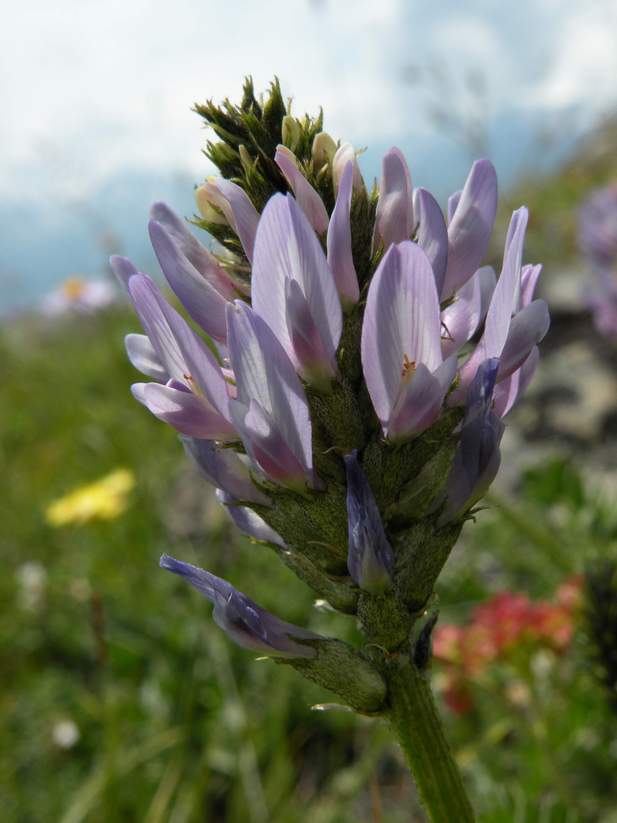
96, 114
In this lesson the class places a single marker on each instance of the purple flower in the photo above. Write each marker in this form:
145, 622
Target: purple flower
246, 623
270, 411
477, 457
404, 369
512, 327
470, 224
370, 559
194, 399
293, 290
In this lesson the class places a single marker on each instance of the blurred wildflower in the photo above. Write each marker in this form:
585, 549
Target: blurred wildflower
31, 581
506, 624
598, 243
105, 499
65, 734
79, 295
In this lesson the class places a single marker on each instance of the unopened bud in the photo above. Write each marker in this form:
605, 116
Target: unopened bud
324, 149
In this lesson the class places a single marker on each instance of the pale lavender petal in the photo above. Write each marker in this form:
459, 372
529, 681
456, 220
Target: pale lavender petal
123, 269
248, 522
186, 357
183, 410
529, 281
201, 300
313, 360
432, 234
143, 356
394, 220
266, 445
460, 320
370, 558
420, 400
246, 623
503, 304
153, 312
265, 374
346, 154
527, 328
205, 262
235, 204
287, 247
306, 196
340, 257
488, 280
508, 391
401, 327
453, 201
471, 225
224, 469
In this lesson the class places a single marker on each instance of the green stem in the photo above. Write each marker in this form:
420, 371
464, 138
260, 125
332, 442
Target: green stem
415, 722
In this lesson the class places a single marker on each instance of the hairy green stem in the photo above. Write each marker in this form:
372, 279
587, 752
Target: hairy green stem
413, 716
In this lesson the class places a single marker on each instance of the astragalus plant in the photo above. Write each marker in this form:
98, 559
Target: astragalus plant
343, 385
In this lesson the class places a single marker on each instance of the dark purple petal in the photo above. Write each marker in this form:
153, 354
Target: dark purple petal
306, 196
394, 220
201, 300
224, 470
246, 623
286, 247
340, 257
370, 558
248, 522
471, 225
432, 234
205, 262
477, 457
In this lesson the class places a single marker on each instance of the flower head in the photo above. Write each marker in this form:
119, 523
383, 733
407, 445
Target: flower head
348, 365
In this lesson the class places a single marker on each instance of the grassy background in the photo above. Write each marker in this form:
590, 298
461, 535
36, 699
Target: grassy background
177, 724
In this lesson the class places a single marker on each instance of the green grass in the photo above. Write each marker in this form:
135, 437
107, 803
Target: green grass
177, 724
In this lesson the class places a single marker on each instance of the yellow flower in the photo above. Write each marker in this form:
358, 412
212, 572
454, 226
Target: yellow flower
105, 499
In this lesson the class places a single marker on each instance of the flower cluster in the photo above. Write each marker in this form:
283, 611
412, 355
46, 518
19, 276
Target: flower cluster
598, 242
496, 630
349, 365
